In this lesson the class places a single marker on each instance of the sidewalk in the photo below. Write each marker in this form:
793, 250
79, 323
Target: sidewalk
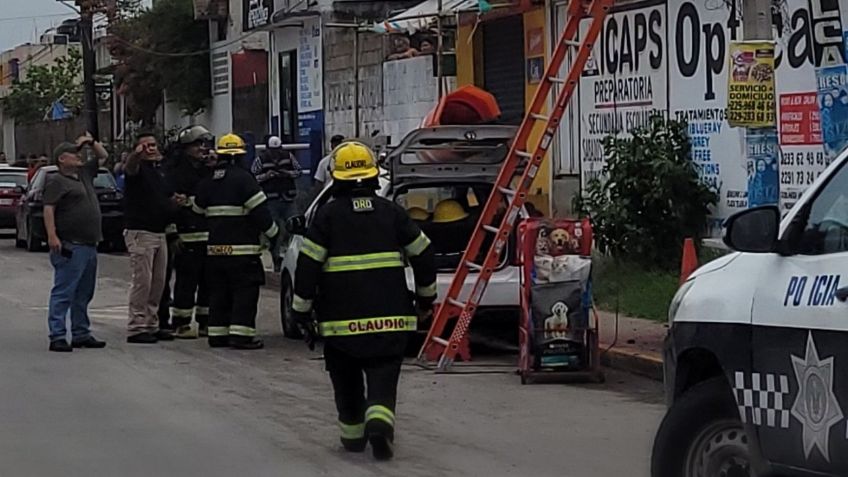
638, 348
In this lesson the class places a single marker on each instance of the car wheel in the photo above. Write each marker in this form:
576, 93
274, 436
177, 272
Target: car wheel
32, 243
290, 329
702, 436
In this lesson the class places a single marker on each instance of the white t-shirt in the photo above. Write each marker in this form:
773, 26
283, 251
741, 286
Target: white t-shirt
322, 172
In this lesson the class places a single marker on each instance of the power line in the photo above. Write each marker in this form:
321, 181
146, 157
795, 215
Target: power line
36, 17
133, 46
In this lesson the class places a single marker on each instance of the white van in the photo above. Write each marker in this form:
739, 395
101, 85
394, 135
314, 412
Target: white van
430, 165
756, 360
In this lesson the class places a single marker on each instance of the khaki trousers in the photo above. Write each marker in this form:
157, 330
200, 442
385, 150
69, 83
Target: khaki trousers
149, 261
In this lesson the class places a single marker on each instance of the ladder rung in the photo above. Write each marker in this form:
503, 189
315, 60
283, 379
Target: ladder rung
554, 79
473, 265
440, 341
523, 154
573, 43
490, 228
539, 117
456, 302
506, 191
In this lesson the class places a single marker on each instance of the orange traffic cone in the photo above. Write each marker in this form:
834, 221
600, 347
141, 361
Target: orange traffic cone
689, 263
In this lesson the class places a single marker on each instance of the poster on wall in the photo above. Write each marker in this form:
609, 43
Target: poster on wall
802, 156
310, 67
833, 103
625, 83
762, 149
750, 101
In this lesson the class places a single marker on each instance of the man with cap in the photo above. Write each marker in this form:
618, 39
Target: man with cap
276, 170
72, 223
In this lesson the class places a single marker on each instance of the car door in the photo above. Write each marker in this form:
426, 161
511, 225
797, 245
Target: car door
798, 395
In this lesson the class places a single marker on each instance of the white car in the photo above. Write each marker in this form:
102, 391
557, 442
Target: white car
757, 350
431, 165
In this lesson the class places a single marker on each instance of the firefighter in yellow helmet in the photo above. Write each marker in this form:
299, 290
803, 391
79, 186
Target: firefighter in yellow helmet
350, 273
239, 222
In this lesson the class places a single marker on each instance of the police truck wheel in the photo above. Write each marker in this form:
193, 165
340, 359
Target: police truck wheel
702, 436
290, 329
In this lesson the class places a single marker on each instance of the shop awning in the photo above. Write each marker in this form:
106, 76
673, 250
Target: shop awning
422, 16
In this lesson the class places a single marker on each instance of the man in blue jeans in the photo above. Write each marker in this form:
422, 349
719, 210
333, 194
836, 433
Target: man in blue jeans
72, 223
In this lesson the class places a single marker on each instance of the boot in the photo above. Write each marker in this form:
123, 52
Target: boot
219, 341
185, 332
354, 445
381, 436
246, 342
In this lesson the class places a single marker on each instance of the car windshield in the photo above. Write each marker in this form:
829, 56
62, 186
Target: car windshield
9, 181
104, 180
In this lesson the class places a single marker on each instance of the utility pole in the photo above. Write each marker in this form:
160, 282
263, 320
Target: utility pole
756, 19
89, 67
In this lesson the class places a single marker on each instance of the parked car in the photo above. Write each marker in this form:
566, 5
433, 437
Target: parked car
13, 182
756, 352
29, 223
430, 165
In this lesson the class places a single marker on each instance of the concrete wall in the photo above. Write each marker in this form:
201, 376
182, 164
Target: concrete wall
394, 96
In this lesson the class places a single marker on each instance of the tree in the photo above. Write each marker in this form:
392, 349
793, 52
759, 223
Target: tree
31, 98
650, 198
157, 49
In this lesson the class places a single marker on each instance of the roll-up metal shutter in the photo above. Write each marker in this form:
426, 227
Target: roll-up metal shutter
503, 65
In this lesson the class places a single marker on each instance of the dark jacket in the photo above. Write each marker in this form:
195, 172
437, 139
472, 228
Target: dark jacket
236, 212
276, 171
184, 177
352, 267
147, 199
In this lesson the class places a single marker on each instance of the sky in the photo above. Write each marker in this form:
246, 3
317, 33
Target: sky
23, 21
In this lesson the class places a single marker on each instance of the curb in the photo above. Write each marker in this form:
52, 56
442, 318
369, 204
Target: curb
617, 358
634, 362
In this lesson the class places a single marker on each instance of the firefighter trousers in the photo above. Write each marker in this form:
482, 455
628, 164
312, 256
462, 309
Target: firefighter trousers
234, 283
191, 294
362, 414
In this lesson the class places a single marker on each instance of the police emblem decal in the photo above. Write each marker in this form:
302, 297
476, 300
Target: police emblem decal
816, 406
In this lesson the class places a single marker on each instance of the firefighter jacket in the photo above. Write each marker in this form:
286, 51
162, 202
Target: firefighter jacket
236, 212
351, 266
276, 171
184, 177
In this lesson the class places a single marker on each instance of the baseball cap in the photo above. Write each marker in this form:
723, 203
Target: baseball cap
64, 148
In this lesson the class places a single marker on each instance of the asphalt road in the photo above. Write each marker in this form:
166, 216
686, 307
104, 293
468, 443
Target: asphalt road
179, 408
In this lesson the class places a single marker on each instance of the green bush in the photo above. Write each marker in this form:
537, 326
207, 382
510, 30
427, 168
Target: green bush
649, 197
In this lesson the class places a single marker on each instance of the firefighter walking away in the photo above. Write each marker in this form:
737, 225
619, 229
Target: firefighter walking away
351, 271
239, 225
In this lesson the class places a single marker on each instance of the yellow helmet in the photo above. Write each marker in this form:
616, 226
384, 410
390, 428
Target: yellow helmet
448, 211
417, 213
354, 161
231, 144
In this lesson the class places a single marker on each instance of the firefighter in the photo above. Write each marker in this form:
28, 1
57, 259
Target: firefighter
351, 266
239, 222
191, 296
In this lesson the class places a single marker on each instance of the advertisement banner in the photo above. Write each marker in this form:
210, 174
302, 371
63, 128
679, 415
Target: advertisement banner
256, 13
310, 67
762, 166
750, 101
625, 81
833, 103
800, 119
